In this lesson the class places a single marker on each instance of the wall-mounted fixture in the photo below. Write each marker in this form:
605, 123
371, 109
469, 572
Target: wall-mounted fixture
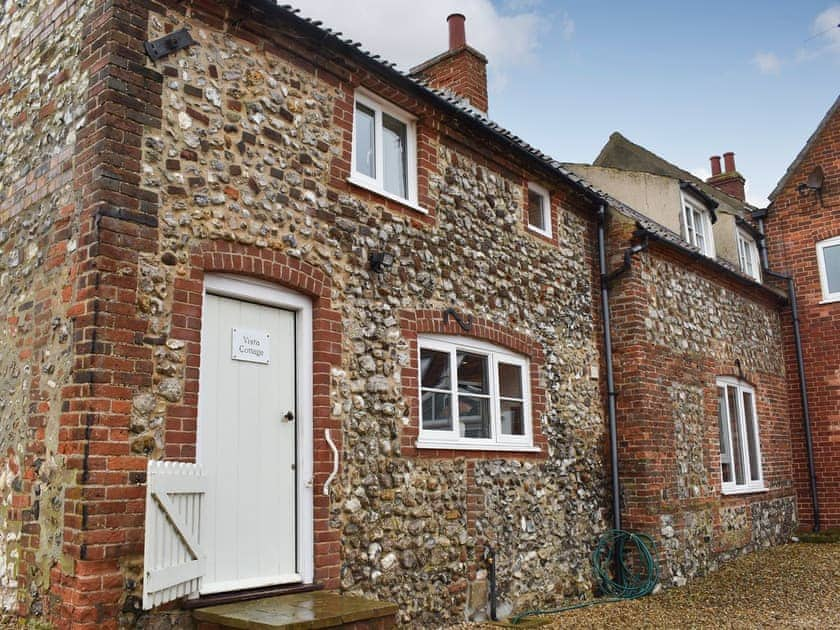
814, 182
464, 322
380, 261
169, 44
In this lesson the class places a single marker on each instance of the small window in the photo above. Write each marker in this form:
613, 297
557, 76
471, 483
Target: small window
697, 227
539, 209
384, 149
828, 259
473, 395
748, 255
740, 451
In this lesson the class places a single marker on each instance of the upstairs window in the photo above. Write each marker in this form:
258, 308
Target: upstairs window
384, 149
748, 255
697, 227
740, 451
539, 209
473, 395
828, 259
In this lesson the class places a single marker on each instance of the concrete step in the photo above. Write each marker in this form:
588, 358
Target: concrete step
300, 611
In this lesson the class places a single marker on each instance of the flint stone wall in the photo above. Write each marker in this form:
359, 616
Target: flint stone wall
693, 327
245, 154
43, 91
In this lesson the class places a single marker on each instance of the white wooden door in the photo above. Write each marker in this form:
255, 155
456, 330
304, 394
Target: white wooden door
246, 444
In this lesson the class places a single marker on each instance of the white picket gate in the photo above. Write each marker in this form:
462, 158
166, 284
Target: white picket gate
173, 561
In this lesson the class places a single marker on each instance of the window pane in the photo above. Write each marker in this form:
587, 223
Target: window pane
437, 411
510, 381
365, 141
752, 438
689, 225
699, 231
434, 369
474, 414
395, 155
512, 418
472, 373
536, 214
831, 258
725, 445
737, 438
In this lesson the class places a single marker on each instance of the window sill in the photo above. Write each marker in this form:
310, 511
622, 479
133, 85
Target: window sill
400, 200
536, 230
756, 490
461, 446
832, 299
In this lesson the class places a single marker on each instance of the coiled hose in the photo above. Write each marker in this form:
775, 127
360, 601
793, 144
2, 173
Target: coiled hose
625, 567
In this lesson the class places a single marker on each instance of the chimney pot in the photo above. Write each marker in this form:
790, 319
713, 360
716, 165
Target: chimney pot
729, 162
457, 32
715, 160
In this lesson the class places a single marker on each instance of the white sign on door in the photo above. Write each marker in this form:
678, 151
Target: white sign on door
250, 345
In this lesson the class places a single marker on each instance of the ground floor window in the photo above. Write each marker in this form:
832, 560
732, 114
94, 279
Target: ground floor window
472, 395
740, 451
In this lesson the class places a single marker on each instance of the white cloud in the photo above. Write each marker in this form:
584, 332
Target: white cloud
767, 63
567, 26
407, 32
826, 29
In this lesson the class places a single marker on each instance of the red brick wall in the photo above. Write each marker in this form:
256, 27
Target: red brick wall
463, 72
796, 222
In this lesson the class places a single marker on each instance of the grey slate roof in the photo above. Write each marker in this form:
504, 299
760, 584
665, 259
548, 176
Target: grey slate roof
450, 102
794, 166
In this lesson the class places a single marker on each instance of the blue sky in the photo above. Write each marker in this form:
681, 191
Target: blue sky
686, 80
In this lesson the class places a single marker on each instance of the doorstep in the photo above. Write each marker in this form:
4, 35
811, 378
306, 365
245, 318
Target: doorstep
316, 609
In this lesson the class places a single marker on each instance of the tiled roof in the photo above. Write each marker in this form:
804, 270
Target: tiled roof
452, 102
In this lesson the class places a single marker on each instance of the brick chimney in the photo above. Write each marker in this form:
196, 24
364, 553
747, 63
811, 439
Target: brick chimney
729, 181
461, 70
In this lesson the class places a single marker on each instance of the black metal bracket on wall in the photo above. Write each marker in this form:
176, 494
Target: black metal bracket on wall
464, 323
168, 44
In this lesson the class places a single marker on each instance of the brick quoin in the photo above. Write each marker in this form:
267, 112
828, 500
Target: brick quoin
797, 220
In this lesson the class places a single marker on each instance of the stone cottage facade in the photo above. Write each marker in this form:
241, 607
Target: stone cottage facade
369, 315
803, 234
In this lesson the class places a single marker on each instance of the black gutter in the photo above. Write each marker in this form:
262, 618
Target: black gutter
800, 363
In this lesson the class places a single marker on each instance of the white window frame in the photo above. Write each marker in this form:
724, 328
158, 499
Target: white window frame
727, 456
690, 225
377, 184
821, 246
748, 254
451, 439
546, 209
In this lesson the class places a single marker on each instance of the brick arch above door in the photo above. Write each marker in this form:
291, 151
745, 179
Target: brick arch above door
291, 273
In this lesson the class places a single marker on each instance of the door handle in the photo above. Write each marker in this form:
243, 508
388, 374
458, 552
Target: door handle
289, 416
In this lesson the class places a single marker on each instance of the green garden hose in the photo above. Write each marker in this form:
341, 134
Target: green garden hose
631, 556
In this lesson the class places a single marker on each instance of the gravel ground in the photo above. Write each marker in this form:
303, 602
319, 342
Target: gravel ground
792, 586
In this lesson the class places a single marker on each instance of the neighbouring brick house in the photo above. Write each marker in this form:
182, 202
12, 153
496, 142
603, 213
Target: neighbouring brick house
369, 314
803, 237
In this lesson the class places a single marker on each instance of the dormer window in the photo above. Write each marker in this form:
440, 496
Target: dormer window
697, 226
384, 149
748, 255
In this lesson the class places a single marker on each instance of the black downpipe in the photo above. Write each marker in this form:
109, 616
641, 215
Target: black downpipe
611, 393
800, 365
490, 558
